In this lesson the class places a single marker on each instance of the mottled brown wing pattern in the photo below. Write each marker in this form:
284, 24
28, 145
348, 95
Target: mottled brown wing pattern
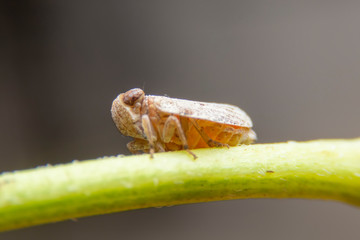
216, 112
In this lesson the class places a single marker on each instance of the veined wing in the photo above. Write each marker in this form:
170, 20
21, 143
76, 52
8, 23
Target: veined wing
216, 112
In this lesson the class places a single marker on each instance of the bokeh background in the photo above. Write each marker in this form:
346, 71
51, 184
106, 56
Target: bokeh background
294, 66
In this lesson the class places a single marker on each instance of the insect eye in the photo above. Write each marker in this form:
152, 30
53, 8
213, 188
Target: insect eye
132, 96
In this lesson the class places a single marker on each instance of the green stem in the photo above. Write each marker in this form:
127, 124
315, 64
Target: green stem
321, 169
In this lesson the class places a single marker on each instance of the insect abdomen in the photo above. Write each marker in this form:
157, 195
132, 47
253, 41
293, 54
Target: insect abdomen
222, 133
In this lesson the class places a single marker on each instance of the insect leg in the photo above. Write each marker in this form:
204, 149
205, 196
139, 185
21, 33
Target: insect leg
210, 142
138, 145
169, 130
160, 146
149, 132
170, 125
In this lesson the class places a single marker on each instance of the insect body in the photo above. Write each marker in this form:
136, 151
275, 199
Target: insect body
160, 124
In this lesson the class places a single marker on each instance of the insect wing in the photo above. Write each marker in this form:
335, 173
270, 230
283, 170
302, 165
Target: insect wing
216, 112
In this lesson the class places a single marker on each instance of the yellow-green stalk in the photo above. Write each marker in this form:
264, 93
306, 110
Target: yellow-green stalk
321, 169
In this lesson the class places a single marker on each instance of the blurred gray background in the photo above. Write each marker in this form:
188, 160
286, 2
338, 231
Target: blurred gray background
294, 66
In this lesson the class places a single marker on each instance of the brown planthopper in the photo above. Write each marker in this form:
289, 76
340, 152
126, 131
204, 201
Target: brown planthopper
160, 124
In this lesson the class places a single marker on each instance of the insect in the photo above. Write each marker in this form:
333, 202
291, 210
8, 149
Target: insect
160, 124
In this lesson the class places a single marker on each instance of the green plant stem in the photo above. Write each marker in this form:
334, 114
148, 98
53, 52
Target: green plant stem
321, 169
